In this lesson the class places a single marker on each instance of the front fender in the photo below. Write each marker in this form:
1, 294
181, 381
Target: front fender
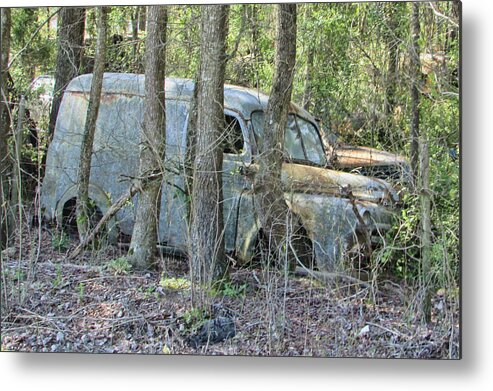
332, 222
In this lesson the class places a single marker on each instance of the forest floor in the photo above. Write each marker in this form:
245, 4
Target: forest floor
94, 304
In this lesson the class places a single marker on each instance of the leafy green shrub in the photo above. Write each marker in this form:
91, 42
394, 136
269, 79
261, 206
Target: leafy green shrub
119, 266
175, 283
229, 290
60, 241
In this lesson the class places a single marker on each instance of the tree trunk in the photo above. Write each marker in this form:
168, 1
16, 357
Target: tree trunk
421, 169
307, 87
392, 44
70, 45
16, 195
415, 77
207, 234
5, 163
135, 30
142, 18
145, 233
83, 206
191, 142
426, 231
269, 192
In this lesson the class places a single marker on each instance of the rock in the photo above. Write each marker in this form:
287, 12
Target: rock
150, 330
46, 340
60, 337
365, 330
213, 331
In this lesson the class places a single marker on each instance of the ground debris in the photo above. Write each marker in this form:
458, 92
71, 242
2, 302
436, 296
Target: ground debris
52, 305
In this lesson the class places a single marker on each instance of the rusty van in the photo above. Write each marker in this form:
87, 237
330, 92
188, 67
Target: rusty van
334, 207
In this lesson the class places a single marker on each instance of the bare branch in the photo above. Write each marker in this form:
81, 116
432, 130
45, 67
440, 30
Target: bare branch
439, 14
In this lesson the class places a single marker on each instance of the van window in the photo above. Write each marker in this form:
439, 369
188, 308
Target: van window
301, 138
292, 140
233, 137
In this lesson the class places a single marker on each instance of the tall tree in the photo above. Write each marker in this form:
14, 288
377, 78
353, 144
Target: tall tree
191, 142
144, 235
309, 66
83, 207
70, 45
425, 196
207, 239
5, 164
391, 39
420, 162
134, 20
268, 184
415, 78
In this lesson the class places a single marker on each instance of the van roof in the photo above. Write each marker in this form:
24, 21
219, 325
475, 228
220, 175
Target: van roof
241, 99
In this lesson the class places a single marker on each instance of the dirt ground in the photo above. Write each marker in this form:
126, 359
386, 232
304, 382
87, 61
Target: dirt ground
50, 304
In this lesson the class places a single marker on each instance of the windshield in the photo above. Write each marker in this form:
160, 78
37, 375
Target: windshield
301, 139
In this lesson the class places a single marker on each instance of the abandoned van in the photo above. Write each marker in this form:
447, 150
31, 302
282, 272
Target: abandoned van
334, 207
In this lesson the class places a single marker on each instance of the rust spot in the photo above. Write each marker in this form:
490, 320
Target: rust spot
106, 98
110, 98
352, 157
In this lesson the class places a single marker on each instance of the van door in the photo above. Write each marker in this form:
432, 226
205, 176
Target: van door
237, 155
173, 229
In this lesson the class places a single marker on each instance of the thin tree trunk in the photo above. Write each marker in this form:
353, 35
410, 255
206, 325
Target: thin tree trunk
135, 30
145, 233
207, 236
426, 231
5, 162
415, 77
69, 55
191, 143
391, 43
307, 87
421, 169
142, 18
270, 196
82, 208
16, 171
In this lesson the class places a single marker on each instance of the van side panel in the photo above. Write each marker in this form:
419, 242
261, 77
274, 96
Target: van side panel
62, 161
173, 215
115, 150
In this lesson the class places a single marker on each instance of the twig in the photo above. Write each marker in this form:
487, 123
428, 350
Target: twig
399, 334
439, 14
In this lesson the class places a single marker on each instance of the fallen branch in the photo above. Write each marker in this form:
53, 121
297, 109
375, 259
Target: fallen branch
110, 213
327, 277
